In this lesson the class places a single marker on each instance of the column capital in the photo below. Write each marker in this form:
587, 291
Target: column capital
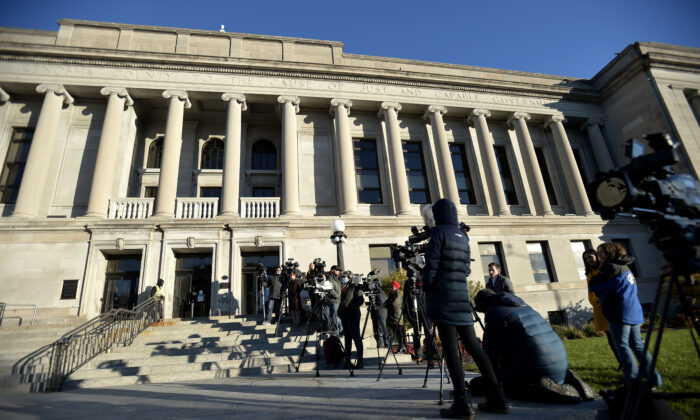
387, 105
4, 96
517, 116
294, 100
340, 102
433, 109
119, 91
478, 112
180, 94
233, 96
591, 122
58, 90
553, 120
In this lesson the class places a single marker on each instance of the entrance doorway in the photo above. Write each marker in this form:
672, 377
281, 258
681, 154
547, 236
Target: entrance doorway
252, 301
121, 282
192, 295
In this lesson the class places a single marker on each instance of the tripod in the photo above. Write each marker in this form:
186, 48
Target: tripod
374, 312
321, 306
283, 312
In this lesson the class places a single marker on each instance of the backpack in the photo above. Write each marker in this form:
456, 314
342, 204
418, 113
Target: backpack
332, 350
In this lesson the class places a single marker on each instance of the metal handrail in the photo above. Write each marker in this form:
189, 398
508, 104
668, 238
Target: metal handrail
4, 305
80, 345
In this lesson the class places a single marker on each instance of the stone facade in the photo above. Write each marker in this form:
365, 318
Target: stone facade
119, 113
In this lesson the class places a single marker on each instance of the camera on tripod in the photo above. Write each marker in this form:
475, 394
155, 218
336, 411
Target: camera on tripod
261, 271
317, 282
371, 286
289, 267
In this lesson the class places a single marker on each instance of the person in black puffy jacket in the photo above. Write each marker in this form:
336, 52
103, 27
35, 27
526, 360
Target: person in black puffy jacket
447, 260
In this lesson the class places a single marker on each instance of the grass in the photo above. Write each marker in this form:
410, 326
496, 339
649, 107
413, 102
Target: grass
678, 365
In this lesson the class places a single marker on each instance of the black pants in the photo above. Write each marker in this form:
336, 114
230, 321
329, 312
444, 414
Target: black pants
351, 329
448, 336
398, 334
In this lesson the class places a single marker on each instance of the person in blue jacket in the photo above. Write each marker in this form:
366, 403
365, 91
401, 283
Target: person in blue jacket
447, 259
616, 288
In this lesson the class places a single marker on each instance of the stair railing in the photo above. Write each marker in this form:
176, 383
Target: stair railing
80, 345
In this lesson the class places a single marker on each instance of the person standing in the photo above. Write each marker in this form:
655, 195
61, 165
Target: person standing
334, 298
351, 300
616, 288
447, 265
592, 265
497, 281
157, 293
393, 320
274, 282
296, 285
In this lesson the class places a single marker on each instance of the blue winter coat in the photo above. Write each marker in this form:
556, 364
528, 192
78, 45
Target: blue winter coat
447, 260
616, 288
521, 345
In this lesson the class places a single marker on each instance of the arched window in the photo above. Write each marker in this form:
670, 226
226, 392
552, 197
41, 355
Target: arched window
264, 156
213, 155
155, 153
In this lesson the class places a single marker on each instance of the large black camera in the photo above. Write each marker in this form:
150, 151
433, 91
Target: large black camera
372, 286
289, 266
261, 271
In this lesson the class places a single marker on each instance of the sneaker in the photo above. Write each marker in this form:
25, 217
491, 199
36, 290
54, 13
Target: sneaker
266, 323
460, 409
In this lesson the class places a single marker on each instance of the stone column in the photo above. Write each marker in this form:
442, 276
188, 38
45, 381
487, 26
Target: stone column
4, 96
600, 149
568, 162
448, 181
170, 163
389, 111
232, 154
289, 106
37, 166
532, 166
493, 177
694, 99
107, 152
341, 109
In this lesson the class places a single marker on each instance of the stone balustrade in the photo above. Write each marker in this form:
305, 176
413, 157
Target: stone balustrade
260, 207
130, 208
196, 207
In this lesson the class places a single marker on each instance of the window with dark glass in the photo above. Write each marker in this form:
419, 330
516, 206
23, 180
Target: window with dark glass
464, 179
538, 253
380, 257
210, 192
548, 186
367, 171
506, 175
155, 153
264, 156
415, 173
263, 191
491, 252
15, 160
213, 154
150, 192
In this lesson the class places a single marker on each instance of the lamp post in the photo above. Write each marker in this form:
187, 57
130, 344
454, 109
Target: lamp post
338, 238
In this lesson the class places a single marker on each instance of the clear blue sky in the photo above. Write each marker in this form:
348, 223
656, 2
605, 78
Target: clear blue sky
568, 38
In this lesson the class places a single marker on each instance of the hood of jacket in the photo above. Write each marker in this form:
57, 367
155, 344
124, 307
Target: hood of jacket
623, 260
487, 299
445, 212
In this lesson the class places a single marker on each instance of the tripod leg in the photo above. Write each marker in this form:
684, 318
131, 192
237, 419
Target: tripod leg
389, 350
303, 350
386, 334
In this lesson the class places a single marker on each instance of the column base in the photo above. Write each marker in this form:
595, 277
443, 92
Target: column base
291, 215
162, 216
350, 213
93, 215
22, 216
228, 215
405, 213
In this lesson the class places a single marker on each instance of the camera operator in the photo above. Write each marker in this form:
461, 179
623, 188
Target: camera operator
447, 260
277, 287
351, 300
296, 285
393, 305
334, 297
379, 318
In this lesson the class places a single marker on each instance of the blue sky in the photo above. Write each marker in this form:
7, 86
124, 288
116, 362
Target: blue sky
568, 38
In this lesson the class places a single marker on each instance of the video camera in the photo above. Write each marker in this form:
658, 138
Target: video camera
261, 271
289, 267
317, 281
371, 286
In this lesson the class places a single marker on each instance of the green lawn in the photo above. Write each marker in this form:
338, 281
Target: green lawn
678, 364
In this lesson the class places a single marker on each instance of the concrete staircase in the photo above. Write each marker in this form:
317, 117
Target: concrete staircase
208, 348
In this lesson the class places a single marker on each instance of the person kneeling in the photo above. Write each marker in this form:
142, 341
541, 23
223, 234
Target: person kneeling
528, 356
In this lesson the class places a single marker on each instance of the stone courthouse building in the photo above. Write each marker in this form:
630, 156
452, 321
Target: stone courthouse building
132, 153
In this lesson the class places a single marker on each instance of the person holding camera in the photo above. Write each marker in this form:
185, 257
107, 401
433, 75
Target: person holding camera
393, 305
276, 285
334, 299
351, 300
447, 260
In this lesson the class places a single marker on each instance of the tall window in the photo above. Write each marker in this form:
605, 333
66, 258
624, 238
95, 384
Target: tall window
213, 154
15, 160
263, 191
380, 257
415, 172
491, 252
264, 156
506, 176
577, 248
367, 171
155, 153
150, 192
464, 179
549, 187
210, 192
540, 262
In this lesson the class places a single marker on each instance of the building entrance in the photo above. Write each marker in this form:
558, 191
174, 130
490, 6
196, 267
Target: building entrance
192, 295
252, 299
121, 282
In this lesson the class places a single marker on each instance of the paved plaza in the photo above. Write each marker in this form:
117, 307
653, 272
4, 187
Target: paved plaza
294, 395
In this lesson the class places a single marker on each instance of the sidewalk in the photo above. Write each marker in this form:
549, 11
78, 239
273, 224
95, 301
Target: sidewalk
334, 395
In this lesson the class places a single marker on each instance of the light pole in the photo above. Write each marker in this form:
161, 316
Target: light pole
338, 238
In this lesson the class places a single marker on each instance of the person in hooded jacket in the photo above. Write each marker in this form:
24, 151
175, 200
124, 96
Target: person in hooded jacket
616, 288
592, 266
447, 260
